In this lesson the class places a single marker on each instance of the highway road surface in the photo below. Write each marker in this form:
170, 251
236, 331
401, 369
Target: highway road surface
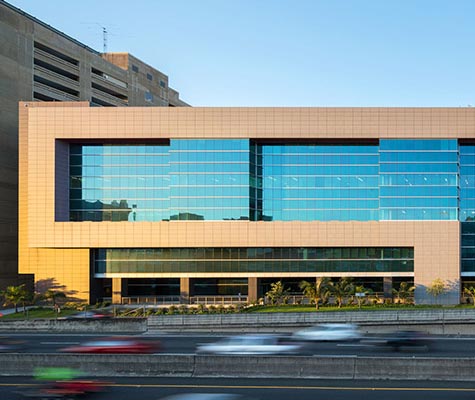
264, 389
186, 344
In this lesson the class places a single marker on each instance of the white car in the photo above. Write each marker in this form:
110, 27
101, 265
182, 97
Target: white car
250, 344
329, 332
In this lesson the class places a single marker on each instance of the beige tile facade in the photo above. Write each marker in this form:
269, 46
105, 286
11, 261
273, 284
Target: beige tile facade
59, 250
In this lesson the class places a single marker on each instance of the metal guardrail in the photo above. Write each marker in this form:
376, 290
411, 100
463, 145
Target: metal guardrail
234, 299
152, 300
218, 300
192, 300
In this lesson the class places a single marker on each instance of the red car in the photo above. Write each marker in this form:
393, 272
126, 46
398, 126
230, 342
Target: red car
114, 345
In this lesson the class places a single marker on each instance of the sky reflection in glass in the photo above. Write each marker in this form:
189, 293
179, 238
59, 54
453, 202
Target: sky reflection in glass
237, 179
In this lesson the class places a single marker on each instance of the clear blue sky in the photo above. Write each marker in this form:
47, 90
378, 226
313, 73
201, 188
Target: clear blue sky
288, 52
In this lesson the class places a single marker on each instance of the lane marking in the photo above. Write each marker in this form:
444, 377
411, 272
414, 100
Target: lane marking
59, 342
333, 388
347, 388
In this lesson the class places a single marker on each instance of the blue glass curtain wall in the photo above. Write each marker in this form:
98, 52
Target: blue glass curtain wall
185, 180
467, 183
239, 179
418, 179
318, 182
467, 206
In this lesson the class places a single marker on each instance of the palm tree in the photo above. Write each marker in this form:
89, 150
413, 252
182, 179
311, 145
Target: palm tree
277, 293
470, 291
15, 295
361, 289
53, 295
404, 292
437, 288
316, 291
342, 289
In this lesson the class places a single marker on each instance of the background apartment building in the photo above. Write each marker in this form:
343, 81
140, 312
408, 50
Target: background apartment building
39, 63
220, 201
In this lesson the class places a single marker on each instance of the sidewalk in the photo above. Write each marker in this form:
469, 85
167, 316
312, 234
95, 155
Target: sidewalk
7, 311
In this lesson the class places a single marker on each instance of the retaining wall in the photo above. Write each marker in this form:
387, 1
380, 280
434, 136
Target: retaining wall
438, 321
375, 318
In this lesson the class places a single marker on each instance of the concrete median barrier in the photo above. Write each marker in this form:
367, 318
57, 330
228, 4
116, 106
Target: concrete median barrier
181, 365
275, 367
112, 325
419, 368
100, 365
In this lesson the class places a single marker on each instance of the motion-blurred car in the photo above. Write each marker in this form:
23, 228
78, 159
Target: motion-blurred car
329, 333
90, 314
67, 389
113, 345
250, 344
399, 340
11, 345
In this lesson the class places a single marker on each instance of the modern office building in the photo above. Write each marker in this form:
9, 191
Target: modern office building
136, 201
40, 63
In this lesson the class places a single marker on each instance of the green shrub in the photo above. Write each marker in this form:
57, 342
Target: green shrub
74, 305
102, 304
183, 309
221, 309
212, 309
201, 309
172, 310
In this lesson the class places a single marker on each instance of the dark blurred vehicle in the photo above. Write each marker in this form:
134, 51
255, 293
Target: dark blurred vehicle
328, 333
11, 345
400, 340
250, 344
414, 339
208, 396
96, 314
114, 345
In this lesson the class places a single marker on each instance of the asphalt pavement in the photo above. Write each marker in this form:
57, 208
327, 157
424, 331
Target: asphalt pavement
450, 347
261, 389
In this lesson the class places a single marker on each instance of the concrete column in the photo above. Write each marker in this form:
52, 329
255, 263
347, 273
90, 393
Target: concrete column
184, 290
251, 289
388, 287
116, 290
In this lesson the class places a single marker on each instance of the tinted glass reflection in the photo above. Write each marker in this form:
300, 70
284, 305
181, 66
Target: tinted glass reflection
255, 259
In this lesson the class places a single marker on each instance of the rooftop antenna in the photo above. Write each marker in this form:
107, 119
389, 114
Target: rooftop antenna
104, 39
105, 33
